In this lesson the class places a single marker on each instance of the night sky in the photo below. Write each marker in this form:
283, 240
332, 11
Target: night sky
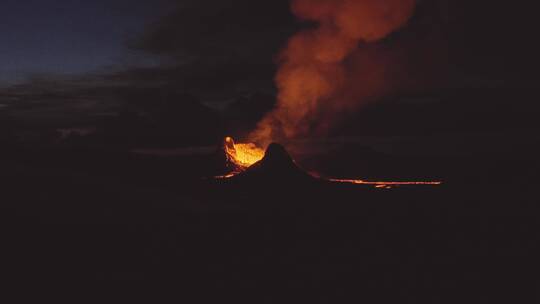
78, 36
69, 36
222, 53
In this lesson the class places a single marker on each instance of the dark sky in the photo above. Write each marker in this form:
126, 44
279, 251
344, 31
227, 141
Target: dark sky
69, 36
212, 42
219, 52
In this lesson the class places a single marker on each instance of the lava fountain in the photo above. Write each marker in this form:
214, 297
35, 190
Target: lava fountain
242, 155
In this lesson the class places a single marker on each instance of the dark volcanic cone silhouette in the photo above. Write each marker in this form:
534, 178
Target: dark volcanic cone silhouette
276, 158
277, 166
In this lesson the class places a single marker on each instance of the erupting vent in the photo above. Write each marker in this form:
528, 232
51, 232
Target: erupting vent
276, 160
242, 155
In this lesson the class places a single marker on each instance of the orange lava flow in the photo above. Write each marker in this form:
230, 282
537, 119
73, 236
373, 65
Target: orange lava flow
245, 155
362, 182
226, 176
242, 155
386, 184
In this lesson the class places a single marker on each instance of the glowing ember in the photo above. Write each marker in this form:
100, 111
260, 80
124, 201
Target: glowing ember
242, 155
226, 176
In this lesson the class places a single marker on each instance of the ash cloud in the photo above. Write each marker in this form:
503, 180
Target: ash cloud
330, 68
362, 51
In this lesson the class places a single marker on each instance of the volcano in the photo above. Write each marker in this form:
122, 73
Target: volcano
277, 166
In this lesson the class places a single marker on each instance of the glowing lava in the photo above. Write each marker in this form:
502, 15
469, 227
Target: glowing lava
242, 155
384, 185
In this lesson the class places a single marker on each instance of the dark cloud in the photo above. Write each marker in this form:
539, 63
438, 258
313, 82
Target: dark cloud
218, 46
215, 45
215, 30
492, 40
223, 48
219, 50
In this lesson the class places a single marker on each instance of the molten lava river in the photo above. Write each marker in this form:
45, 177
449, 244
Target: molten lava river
244, 155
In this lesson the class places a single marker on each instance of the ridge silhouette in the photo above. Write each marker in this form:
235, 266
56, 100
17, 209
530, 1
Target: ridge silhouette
277, 166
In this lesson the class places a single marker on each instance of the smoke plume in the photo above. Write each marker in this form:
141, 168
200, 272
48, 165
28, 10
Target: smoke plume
332, 67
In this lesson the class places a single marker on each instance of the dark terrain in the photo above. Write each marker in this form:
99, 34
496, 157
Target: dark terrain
113, 115
89, 216
91, 223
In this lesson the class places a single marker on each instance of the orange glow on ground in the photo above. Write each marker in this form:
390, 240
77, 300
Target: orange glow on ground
385, 184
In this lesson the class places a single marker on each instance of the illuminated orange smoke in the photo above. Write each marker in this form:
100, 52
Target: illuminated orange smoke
312, 72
